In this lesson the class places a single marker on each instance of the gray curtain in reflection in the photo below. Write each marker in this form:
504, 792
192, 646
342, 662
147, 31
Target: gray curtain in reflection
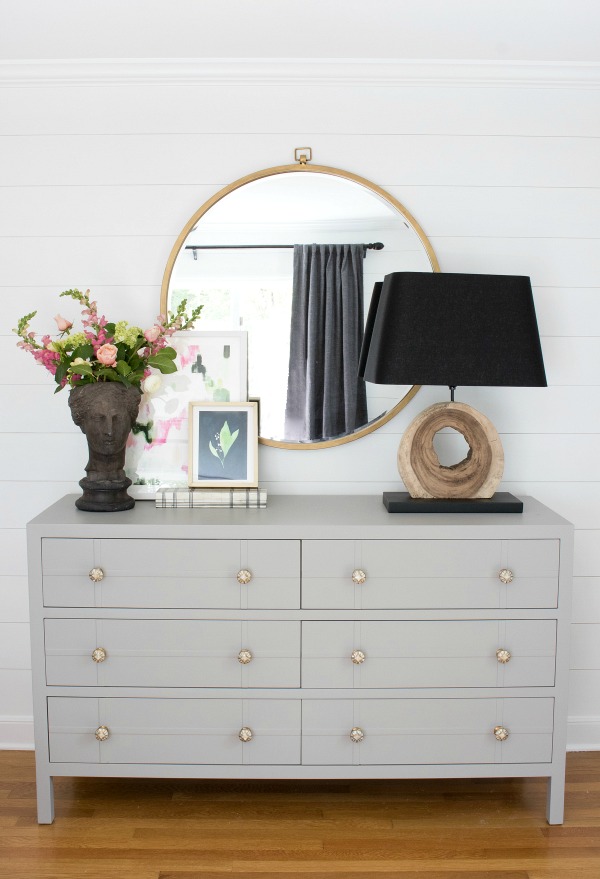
325, 397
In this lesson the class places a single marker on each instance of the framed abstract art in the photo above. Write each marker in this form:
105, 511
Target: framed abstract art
212, 366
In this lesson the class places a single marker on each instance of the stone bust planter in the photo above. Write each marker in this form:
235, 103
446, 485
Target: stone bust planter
105, 412
94, 365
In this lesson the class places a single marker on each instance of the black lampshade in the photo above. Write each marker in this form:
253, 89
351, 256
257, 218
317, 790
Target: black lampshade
374, 305
452, 329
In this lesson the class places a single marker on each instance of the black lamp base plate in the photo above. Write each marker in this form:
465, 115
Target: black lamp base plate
402, 502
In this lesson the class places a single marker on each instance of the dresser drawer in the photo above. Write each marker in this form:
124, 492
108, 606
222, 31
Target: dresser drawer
429, 573
183, 731
426, 731
172, 653
429, 654
171, 573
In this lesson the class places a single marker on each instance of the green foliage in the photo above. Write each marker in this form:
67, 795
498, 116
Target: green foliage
126, 351
225, 441
146, 429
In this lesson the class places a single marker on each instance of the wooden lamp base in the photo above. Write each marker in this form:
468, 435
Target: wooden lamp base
476, 476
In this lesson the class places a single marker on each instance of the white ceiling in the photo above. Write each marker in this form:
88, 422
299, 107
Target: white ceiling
551, 31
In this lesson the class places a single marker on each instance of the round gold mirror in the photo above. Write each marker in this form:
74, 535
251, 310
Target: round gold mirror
238, 256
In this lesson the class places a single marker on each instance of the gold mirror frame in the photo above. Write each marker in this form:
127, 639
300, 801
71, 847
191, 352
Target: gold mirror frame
304, 167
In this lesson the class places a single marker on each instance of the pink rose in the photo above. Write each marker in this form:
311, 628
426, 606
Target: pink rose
152, 334
63, 324
107, 354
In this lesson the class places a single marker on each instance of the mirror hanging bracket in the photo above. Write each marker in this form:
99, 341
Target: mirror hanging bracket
303, 155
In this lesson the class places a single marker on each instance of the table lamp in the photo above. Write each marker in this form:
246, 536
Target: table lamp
452, 329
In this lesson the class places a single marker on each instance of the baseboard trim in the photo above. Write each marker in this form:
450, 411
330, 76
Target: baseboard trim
583, 734
296, 71
16, 734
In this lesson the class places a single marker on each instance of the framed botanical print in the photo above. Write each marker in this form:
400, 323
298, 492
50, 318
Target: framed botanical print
223, 446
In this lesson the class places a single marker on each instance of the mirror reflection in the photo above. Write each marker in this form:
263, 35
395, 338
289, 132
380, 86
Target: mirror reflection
292, 258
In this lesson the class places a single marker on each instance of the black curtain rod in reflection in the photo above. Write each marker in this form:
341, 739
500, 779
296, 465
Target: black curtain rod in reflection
376, 246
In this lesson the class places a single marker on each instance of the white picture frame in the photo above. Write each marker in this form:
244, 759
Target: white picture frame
223, 446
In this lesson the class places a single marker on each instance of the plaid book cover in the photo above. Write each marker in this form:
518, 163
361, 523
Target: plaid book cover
233, 498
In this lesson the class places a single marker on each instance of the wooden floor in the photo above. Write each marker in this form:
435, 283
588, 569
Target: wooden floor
150, 829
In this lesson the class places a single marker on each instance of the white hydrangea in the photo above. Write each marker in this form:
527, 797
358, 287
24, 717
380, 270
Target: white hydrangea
126, 333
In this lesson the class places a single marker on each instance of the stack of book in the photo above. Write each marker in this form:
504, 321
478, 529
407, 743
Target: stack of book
232, 498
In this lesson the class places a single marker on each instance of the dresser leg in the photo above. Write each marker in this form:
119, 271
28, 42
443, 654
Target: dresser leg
555, 803
45, 798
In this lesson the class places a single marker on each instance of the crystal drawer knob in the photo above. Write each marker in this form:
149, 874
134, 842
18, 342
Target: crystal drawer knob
501, 733
245, 734
506, 575
357, 656
99, 654
244, 576
244, 656
356, 734
358, 577
503, 656
102, 733
96, 574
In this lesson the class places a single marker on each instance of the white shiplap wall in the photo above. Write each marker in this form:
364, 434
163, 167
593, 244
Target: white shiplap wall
499, 166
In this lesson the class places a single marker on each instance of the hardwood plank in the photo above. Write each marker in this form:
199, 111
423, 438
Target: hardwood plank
186, 829
376, 874
73, 870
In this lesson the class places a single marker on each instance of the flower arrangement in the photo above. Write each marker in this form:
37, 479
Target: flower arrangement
105, 351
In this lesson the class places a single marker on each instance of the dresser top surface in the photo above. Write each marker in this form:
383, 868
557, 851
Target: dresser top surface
299, 517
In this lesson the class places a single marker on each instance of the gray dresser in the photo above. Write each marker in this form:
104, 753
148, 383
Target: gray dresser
321, 637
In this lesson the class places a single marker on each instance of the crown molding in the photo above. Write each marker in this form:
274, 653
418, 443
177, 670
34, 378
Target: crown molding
299, 71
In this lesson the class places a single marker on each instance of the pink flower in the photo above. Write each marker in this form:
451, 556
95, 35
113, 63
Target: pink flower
63, 324
107, 354
47, 358
152, 334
